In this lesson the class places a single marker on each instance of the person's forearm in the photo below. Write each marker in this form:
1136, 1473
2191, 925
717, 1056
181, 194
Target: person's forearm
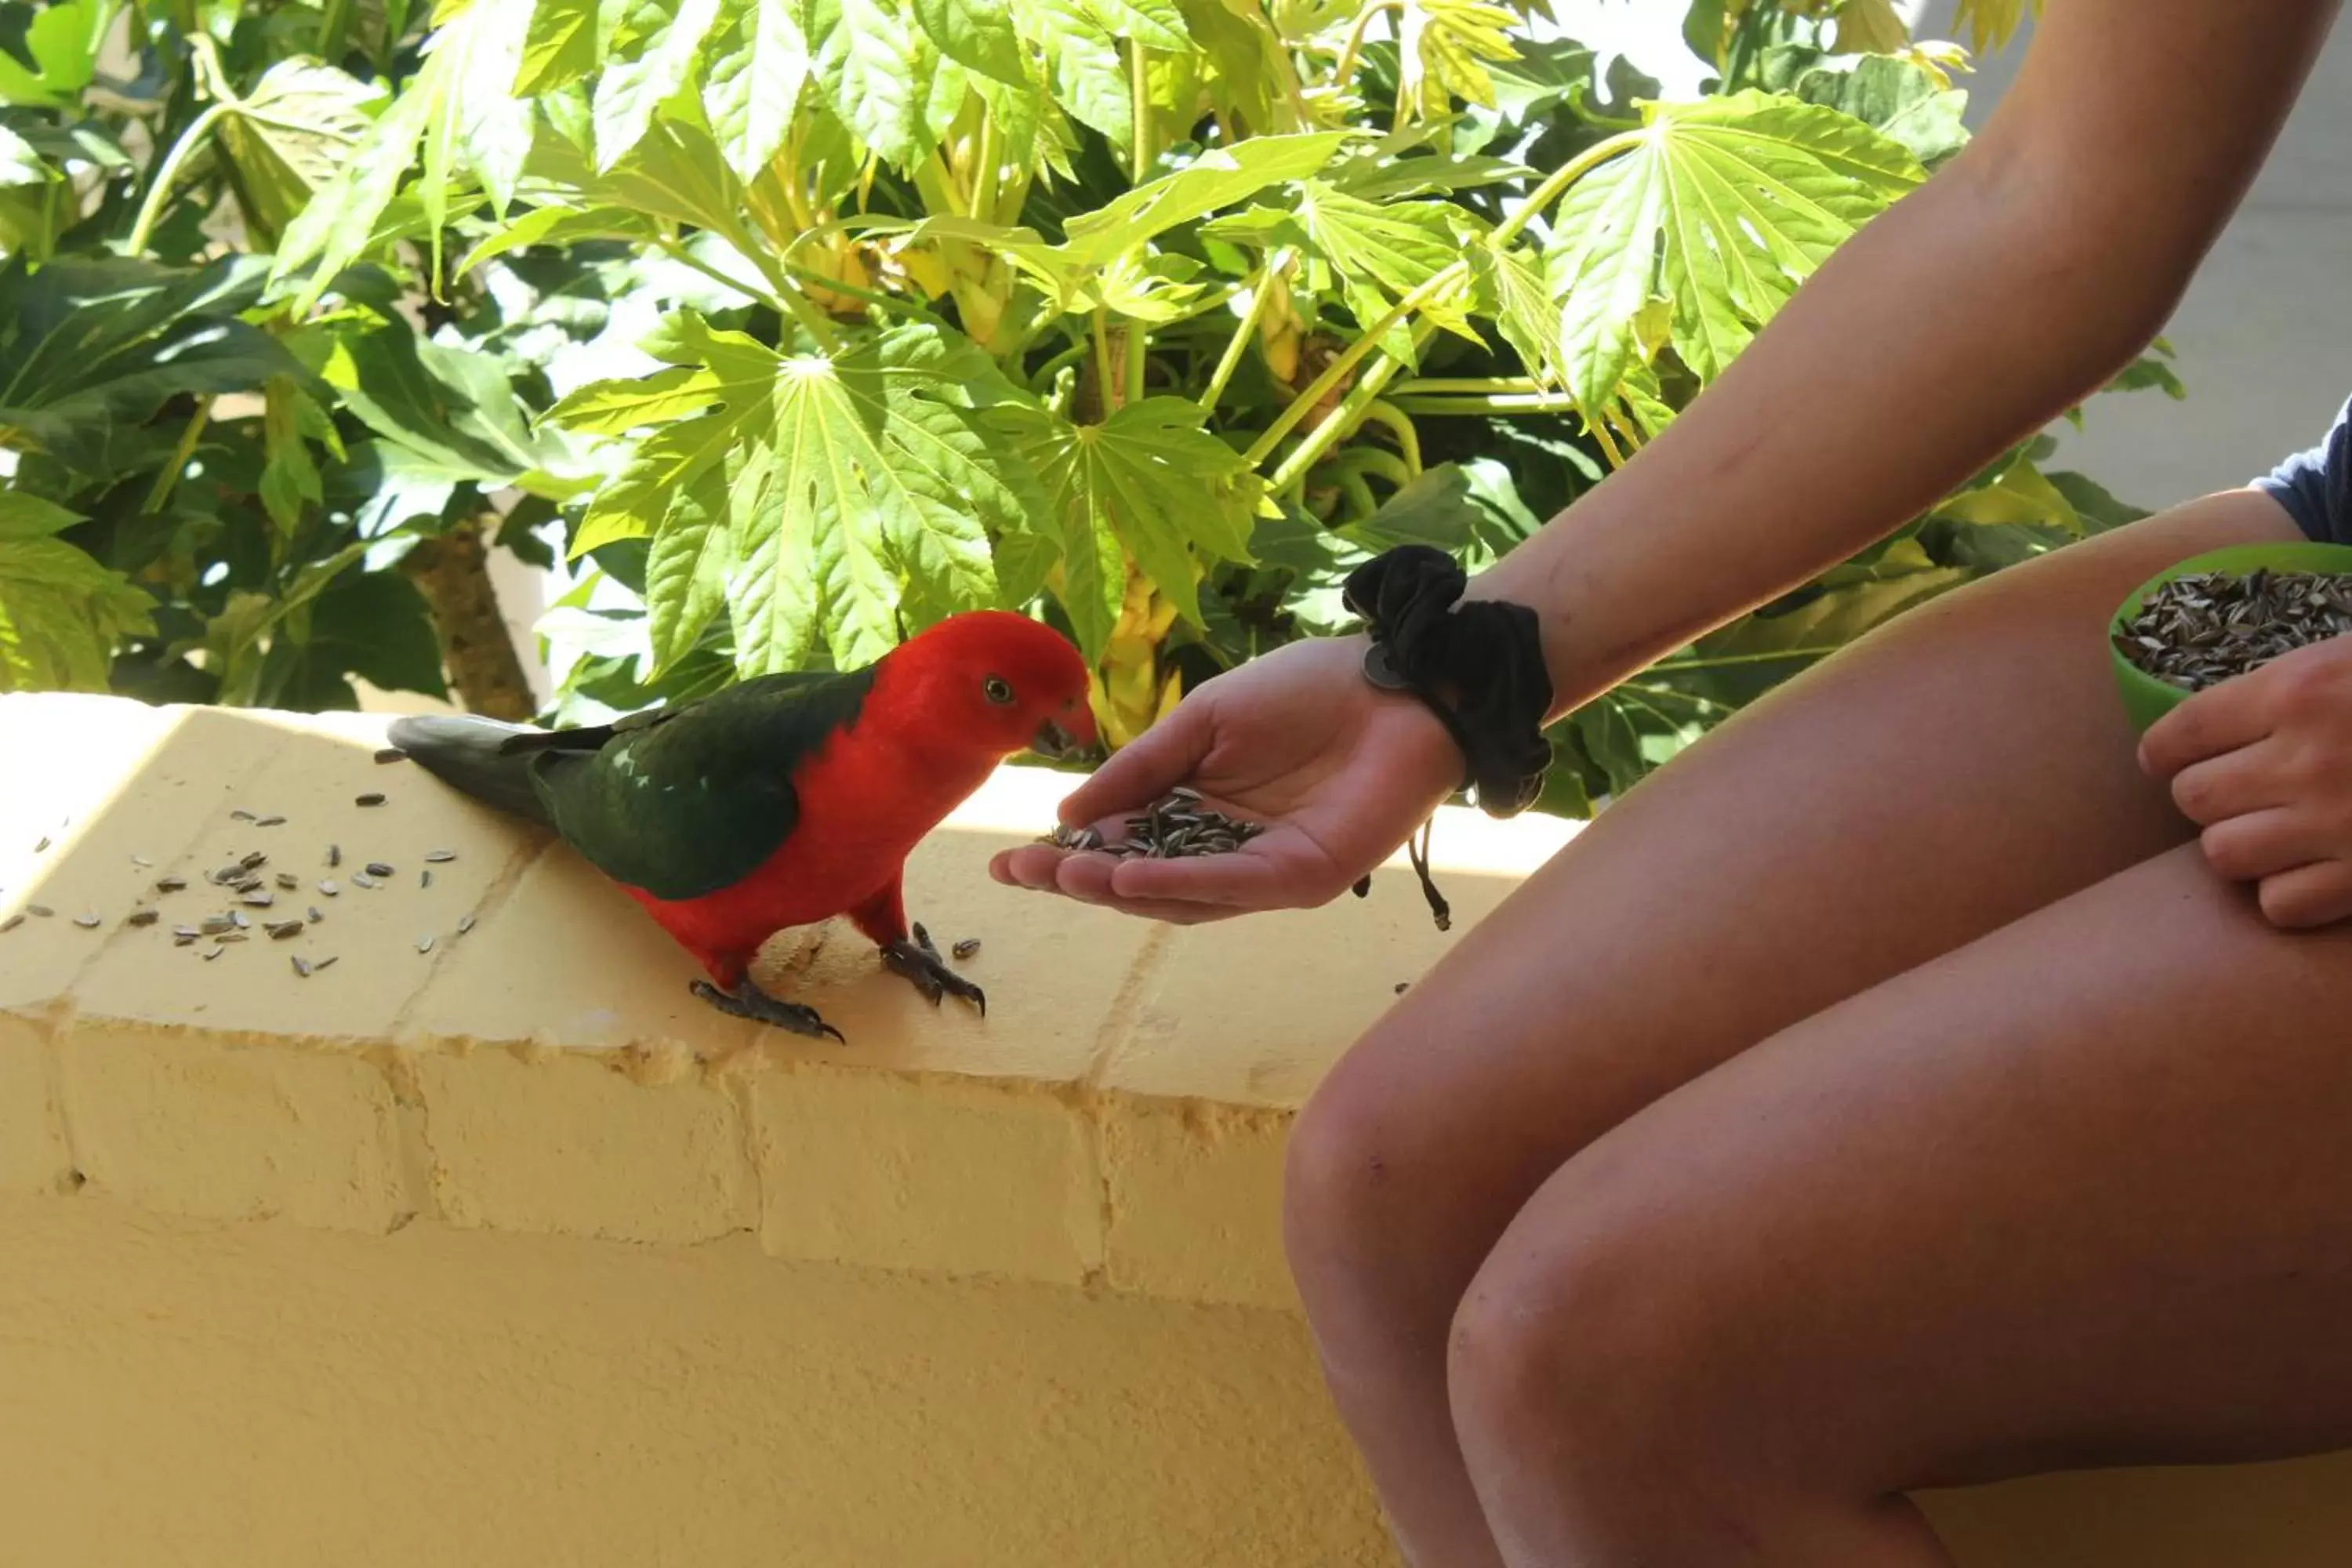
1961, 320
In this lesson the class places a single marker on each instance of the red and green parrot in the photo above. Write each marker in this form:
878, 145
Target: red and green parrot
785, 799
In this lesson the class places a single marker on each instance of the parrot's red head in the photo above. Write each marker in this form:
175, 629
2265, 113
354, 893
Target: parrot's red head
999, 681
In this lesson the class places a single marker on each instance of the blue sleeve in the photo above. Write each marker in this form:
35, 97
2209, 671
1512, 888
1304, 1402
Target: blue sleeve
2315, 486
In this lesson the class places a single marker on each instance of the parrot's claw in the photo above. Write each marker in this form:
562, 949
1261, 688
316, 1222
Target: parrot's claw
920, 963
747, 1001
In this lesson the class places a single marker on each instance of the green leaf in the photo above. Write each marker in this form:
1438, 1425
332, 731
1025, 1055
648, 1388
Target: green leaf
1512, 291
1447, 46
1155, 23
454, 410
61, 615
20, 164
558, 226
566, 42
24, 515
1148, 478
1991, 23
1089, 77
1723, 206
977, 35
293, 136
288, 476
670, 34
56, 50
91, 349
1218, 178
756, 80
876, 68
675, 173
1899, 99
685, 572
1382, 252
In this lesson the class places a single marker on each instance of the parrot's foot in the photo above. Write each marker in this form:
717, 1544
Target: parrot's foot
747, 1001
920, 963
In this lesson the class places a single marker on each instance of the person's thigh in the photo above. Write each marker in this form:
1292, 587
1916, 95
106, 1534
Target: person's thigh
2079, 1193
1963, 767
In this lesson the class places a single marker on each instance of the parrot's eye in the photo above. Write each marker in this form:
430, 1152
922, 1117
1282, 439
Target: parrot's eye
997, 689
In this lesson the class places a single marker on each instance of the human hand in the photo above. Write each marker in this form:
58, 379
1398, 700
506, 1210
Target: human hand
1340, 772
2263, 763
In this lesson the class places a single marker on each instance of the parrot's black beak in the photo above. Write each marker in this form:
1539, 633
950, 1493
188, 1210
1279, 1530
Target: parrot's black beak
1052, 741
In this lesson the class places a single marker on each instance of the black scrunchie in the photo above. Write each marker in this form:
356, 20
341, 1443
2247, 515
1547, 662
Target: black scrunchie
1489, 653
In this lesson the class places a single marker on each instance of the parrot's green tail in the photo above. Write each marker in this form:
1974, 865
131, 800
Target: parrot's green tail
471, 755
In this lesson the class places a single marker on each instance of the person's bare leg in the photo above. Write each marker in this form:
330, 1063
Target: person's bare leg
2072, 1195
1963, 768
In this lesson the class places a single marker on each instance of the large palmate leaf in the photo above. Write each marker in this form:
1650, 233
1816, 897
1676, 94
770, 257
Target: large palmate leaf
1381, 251
833, 501
1149, 480
60, 612
1989, 24
1089, 77
293, 135
1723, 206
876, 69
91, 349
1899, 99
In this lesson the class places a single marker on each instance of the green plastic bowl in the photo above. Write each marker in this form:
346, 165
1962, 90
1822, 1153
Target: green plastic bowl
2146, 698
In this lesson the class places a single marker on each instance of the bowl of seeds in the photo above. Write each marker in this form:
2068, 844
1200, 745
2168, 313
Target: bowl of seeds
2222, 613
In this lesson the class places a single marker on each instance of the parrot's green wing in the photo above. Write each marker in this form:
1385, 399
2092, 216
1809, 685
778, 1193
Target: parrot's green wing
684, 800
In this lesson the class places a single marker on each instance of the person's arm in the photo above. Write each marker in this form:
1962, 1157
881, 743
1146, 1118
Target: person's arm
2012, 284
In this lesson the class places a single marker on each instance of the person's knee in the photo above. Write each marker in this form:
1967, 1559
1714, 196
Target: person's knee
1591, 1337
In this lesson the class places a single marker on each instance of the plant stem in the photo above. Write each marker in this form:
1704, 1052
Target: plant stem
1326, 435
160, 188
1134, 341
983, 171
1269, 274
1106, 373
1423, 386
332, 24
677, 251
1558, 180
1497, 402
1391, 417
1353, 355
1354, 47
1138, 87
1600, 428
170, 476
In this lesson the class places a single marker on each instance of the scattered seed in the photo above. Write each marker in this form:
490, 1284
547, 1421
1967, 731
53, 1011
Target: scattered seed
287, 881
280, 929
87, 922
425, 877
391, 755
1401, 986
187, 934
425, 944
142, 862
42, 847
302, 966
170, 884
329, 889
321, 963
241, 814
213, 952
143, 916
213, 925
12, 922
378, 868
229, 936
315, 916
362, 879
440, 857
370, 798
334, 856
249, 885
183, 940
259, 900
237, 918
465, 924
966, 948
270, 822
255, 861
221, 875
40, 911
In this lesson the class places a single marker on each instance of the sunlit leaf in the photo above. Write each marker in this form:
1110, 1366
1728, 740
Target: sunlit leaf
668, 34
758, 71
